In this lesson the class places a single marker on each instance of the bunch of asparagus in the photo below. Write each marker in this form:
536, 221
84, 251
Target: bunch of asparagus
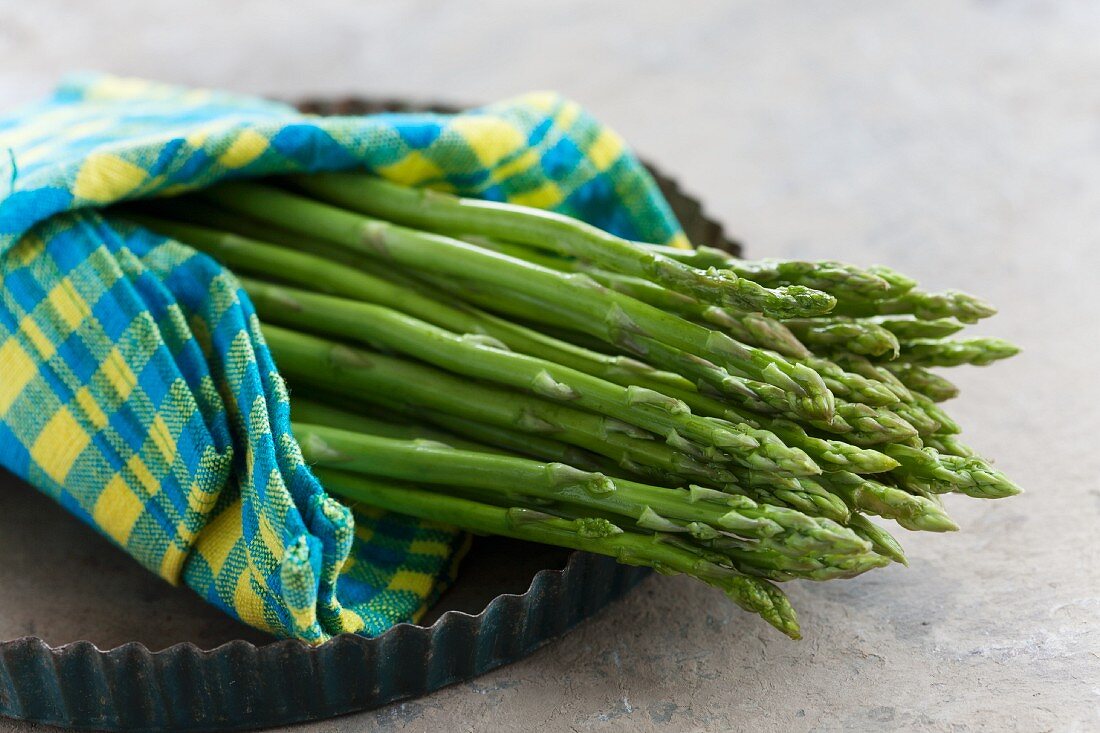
513, 371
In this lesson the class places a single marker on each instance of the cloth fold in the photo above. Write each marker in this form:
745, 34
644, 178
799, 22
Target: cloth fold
135, 386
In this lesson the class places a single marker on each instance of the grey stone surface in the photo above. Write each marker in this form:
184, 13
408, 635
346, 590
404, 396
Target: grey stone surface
957, 141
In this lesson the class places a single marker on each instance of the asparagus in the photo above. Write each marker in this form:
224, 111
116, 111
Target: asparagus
920, 380
953, 352
711, 391
850, 385
825, 451
949, 445
899, 284
759, 558
924, 422
945, 473
591, 308
512, 442
881, 540
836, 277
364, 374
767, 563
803, 494
755, 329
476, 358
320, 274
835, 334
752, 393
784, 530
590, 535
913, 328
446, 213
626, 372
948, 426
313, 412
921, 304
456, 432
776, 567
868, 496
870, 426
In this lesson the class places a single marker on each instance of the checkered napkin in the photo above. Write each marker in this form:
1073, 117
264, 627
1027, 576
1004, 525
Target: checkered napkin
135, 386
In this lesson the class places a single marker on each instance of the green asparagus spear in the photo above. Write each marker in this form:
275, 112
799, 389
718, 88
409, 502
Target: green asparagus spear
920, 380
590, 535
923, 305
477, 358
851, 386
949, 445
914, 328
882, 541
866, 495
944, 473
592, 308
468, 432
838, 278
363, 374
754, 329
548, 230
826, 335
953, 352
748, 392
429, 462
317, 273
318, 413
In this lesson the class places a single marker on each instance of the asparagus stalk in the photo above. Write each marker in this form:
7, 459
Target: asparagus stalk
836, 277
591, 308
826, 451
702, 257
456, 432
919, 418
954, 352
364, 374
945, 473
866, 495
867, 369
755, 329
545, 229
779, 568
313, 412
948, 426
420, 461
922, 381
751, 393
835, 334
476, 358
899, 284
921, 304
870, 425
881, 540
949, 445
804, 494
759, 558
474, 433
913, 328
767, 563
267, 260
851, 386
590, 535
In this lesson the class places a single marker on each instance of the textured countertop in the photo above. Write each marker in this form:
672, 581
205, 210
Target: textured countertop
959, 142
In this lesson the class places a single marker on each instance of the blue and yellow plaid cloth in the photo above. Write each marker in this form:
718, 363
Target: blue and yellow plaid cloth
135, 387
